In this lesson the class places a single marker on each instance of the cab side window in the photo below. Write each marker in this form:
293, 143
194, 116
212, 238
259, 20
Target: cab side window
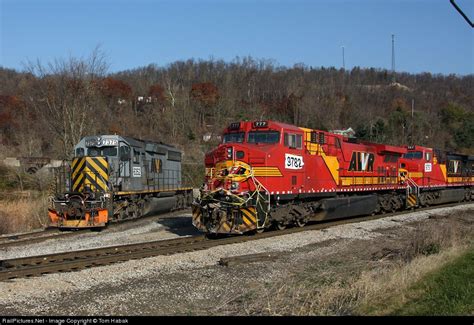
294, 141
136, 156
80, 152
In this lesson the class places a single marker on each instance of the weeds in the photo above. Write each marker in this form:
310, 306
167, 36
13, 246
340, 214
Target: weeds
23, 215
378, 286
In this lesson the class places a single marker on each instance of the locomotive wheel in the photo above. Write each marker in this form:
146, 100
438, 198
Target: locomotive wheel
300, 222
280, 226
259, 230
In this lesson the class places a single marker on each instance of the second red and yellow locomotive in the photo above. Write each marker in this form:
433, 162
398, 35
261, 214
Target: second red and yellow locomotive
268, 173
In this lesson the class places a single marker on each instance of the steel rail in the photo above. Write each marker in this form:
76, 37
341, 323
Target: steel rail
71, 261
53, 233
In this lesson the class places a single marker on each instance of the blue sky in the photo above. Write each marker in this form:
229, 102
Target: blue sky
430, 35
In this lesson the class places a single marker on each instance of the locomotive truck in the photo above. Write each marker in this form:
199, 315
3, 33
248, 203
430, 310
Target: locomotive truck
266, 173
112, 178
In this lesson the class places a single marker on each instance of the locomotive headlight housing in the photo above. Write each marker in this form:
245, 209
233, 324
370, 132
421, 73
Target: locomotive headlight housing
234, 186
229, 152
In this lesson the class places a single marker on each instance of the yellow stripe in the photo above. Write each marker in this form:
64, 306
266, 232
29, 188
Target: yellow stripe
97, 169
74, 162
76, 186
267, 174
98, 180
315, 149
103, 162
249, 215
443, 170
368, 180
267, 168
225, 226
266, 171
102, 184
246, 220
105, 165
460, 179
77, 168
196, 213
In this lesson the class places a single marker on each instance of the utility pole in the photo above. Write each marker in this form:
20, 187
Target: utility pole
393, 58
412, 136
343, 59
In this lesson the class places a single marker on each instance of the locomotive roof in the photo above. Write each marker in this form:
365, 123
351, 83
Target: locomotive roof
132, 141
270, 124
139, 142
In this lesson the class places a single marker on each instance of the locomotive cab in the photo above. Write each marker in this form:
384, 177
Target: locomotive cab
257, 149
419, 164
252, 157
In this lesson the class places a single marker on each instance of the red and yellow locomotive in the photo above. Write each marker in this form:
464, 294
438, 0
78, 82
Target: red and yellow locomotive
267, 173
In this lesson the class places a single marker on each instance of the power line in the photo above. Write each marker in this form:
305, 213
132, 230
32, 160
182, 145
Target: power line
462, 13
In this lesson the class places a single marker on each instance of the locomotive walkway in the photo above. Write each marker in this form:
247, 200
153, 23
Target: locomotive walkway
77, 260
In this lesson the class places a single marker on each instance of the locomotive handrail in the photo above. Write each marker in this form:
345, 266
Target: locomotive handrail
412, 184
238, 201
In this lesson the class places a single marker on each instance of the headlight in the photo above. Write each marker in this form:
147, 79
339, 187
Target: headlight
229, 152
234, 186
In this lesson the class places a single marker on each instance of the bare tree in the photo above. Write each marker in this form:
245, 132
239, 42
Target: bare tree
65, 96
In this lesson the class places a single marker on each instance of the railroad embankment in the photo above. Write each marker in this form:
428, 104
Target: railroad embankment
379, 267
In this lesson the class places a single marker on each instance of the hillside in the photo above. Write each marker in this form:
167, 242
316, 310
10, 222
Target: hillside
47, 109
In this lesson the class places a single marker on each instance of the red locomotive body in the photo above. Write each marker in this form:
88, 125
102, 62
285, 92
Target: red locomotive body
438, 177
268, 173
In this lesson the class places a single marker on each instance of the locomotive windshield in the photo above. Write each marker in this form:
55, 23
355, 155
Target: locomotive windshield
101, 152
413, 155
234, 137
263, 137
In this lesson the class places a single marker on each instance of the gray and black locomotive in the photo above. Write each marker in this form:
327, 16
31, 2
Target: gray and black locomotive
112, 178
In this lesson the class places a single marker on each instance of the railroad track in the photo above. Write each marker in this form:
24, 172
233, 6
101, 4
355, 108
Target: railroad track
54, 233
77, 260
33, 237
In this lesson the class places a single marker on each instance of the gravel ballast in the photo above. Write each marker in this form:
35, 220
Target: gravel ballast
171, 284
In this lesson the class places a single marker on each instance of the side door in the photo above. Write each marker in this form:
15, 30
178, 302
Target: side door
124, 157
294, 160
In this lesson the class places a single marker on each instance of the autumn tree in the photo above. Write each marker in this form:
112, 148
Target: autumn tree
67, 99
205, 95
8, 104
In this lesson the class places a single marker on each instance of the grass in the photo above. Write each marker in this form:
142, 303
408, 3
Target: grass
447, 291
23, 215
427, 267
390, 290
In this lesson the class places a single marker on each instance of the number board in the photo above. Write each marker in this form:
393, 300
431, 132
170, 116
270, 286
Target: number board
234, 126
99, 142
293, 161
260, 124
137, 172
428, 167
